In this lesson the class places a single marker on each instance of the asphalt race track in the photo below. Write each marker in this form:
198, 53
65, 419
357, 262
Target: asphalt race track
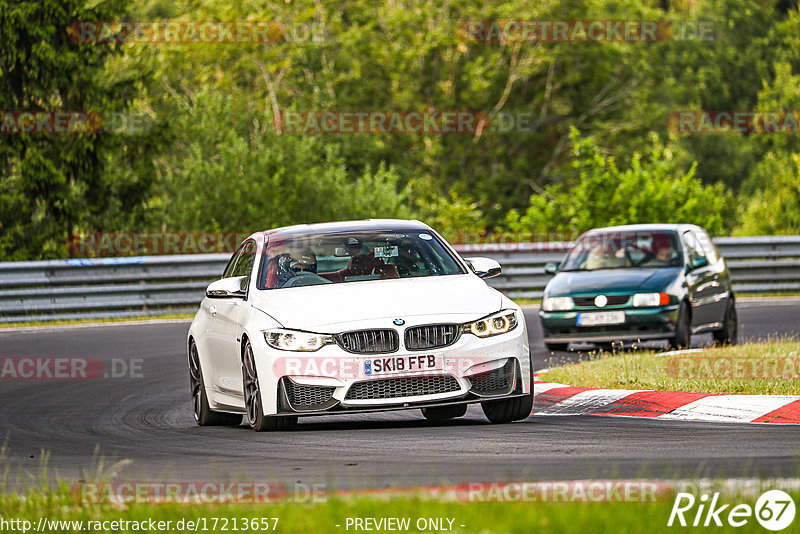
147, 419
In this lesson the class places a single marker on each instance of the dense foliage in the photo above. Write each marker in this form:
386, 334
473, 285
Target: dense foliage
595, 150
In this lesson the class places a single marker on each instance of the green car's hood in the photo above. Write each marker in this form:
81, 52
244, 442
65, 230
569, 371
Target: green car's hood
612, 281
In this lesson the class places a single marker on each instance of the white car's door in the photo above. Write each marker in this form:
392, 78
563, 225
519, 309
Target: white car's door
226, 329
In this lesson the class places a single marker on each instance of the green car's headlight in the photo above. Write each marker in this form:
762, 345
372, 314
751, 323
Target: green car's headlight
499, 323
557, 304
295, 340
642, 300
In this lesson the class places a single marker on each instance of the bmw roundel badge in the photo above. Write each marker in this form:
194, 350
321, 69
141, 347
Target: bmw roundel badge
399, 322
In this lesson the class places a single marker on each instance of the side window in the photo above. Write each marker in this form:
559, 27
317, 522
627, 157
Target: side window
693, 247
228, 272
244, 264
708, 246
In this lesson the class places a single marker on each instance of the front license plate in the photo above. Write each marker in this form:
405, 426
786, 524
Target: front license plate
598, 318
400, 364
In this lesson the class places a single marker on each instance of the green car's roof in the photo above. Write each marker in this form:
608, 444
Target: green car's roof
670, 227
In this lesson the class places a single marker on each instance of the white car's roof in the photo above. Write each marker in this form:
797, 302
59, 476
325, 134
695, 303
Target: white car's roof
340, 226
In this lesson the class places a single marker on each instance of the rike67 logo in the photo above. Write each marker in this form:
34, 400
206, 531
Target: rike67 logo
774, 510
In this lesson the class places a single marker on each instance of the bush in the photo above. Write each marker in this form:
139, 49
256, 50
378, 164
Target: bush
650, 190
244, 177
776, 208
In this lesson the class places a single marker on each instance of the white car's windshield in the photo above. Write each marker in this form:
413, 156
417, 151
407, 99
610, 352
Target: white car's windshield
298, 260
623, 250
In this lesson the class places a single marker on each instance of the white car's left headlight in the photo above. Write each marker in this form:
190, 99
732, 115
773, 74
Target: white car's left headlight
295, 340
499, 323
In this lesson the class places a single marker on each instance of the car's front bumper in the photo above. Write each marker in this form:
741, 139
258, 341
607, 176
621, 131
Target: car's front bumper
332, 381
640, 324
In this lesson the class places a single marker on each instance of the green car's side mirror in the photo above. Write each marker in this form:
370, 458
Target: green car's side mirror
551, 268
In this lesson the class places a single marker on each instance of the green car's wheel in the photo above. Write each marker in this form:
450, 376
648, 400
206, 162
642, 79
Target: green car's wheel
729, 334
683, 334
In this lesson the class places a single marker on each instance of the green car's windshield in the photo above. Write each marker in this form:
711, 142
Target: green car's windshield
624, 250
314, 259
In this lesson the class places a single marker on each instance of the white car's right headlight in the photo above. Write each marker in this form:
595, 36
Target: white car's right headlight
294, 340
557, 304
496, 324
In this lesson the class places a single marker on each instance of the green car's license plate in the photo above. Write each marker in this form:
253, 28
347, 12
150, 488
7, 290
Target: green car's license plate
601, 318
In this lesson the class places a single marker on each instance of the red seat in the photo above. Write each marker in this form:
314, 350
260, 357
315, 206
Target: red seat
386, 271
362, 265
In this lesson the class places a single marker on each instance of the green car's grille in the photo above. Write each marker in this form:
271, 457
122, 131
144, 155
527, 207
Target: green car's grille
613, 300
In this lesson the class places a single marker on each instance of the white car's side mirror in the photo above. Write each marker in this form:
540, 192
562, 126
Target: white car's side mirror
227, 288
484, 267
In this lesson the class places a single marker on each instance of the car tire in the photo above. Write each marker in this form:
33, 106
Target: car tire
203, 414
509, 410
443, 413
729, 334
557, 347
683, 331
252, 398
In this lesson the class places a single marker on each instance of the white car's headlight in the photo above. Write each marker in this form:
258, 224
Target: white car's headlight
557, 304
643, 300
295, 340
499, 323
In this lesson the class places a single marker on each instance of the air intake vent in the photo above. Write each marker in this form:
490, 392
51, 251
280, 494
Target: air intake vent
369, 341
308, 398
432, 336
392, 388
497, 382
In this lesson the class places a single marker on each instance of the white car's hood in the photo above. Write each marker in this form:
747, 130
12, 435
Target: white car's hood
322, 307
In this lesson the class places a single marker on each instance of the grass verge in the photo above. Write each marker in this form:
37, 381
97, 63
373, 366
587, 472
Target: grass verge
770, 367
332, 516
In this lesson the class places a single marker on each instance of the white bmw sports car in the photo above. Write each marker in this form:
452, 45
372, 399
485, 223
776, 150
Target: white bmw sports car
352, 317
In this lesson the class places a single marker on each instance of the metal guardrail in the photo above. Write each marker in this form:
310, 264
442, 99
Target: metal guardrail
155, 285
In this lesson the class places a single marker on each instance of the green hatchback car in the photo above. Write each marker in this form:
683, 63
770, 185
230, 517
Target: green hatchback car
638, 283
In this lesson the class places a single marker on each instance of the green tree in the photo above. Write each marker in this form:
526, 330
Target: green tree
649, 190
775, 209
246, 177
55, 183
